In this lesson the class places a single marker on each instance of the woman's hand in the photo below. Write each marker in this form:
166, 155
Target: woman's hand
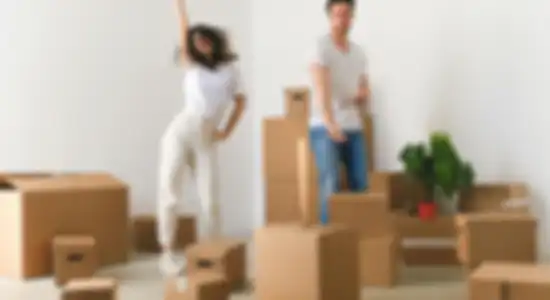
220, 135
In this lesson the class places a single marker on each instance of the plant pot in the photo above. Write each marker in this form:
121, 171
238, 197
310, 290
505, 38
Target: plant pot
427, 210
447, 205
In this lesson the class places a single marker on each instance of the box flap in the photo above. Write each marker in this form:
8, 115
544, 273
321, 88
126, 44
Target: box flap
91, 181
91, 284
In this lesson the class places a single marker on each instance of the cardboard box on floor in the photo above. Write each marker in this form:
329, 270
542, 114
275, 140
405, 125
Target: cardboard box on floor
490, 197
509, 281
74, 257
496, 237
294, 262
37, 209
90, 288
379, 260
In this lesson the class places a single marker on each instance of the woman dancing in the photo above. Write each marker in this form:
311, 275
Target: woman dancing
211, 83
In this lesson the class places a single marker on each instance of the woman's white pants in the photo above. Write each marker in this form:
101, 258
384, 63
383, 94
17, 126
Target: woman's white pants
187, 144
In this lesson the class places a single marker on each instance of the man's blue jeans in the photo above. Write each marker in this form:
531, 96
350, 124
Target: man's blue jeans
329, 155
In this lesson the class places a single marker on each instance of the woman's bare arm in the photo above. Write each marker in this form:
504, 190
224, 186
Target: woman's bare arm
236, 114
184, 29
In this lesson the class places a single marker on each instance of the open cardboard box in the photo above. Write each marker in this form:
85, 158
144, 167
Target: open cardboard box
35, 209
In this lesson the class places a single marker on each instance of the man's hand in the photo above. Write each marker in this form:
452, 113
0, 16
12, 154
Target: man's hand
336, 134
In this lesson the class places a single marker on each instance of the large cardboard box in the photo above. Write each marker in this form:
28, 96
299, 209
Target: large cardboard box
37, 209
510, 281
379, 259
296, 262
225, 257
368, 213
496, 237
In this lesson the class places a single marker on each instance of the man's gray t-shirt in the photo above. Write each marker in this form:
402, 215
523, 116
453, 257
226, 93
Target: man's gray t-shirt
346, 69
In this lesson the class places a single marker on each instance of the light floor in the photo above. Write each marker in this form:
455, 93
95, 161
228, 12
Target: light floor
140, 280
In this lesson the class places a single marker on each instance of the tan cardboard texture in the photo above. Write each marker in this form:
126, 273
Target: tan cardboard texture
403, 193
368, 213
91, 288
222, 256
200, 286
294, 262
74, 257
38, 209
297, 103
307, 187
379, 259
490, 197
509, 281
496, 237
145, 233
280, 168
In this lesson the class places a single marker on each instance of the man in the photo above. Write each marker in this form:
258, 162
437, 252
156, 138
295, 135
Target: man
340, 94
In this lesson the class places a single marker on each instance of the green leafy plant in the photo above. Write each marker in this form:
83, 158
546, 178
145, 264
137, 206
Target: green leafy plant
437, 164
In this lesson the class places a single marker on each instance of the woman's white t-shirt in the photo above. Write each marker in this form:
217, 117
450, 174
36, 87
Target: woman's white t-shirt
209, 92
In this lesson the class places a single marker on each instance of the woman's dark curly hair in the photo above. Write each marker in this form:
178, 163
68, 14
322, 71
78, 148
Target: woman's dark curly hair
221, 52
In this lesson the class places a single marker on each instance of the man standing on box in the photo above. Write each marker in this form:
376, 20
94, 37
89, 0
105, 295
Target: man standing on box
340, 93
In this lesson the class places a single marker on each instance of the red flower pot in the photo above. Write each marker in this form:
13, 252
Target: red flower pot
427, 210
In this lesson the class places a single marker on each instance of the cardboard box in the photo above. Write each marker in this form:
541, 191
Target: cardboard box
200, 286
90, 288
295, 262
496, 237
416, 256
368, 213
509, 281
74, 257
404, 194
145, 233
297, 103
379, 260
38, 209
413, 227
279, 148
308, 201
490, 197
223, 256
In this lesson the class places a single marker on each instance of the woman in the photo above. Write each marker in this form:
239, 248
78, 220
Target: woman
211, 84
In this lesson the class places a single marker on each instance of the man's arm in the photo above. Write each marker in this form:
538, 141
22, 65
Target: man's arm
363, 94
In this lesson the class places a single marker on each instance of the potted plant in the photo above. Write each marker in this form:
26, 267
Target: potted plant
439, 168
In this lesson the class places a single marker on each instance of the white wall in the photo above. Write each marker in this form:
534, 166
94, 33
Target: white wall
475, 68
91, 85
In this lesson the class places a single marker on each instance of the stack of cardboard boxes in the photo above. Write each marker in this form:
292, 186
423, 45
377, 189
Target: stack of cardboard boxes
280, 137
370, 216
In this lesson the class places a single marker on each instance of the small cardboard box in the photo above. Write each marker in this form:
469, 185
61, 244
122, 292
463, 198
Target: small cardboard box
403, 192
199, 286
295, 262
509, 281
297, 103
91, 288
145, 233
36, 209
496, 237
368, 213
74, 257
379, 259
490, 197
223, 256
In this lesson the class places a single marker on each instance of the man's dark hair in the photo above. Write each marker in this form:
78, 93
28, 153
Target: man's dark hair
330, 3
221, 53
